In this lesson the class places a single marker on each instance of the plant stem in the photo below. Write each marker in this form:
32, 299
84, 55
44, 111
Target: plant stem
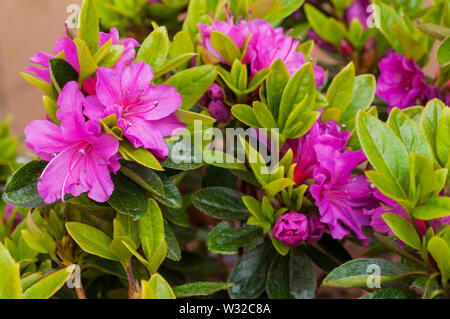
132, 291
80, 292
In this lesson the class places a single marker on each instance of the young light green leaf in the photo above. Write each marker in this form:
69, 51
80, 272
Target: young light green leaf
155, 48
403, 230
157, 288
200, 289
89, 25
384, 150
91, 239
340, 91
48, 286
193, 83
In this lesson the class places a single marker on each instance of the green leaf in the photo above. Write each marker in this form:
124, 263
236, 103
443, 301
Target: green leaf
89, 25
263, 115
127, 197
51, 108
429, 121
200, 289
403, 230
385, 18
220, 202
190, 117
21, 189
292, 276
410, 47
61, 73
48, 286
390, 293
355, 273
245, 114
301, 84
39, 241
172, 64
88, 66
157, 288
173, 248
409, 133
443, 138
182, 155
143, 176
225, 239
439, 32
384, 150
288, 7
298, 124
443, 52
225, 47
139, 155
155, 48
435, 207
423, 180
362, 97
151, 229
6, 264
440, 251
112, 57
249, 275
11, 285
42, 85
91, 240
277, 186
322, 260
276, 82
340, 91
171, 196
193, 83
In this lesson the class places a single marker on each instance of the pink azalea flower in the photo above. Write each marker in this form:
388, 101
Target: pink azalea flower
402, 83
358, 10
43, 59
70, 52
388, 205
144, 112
328, 133
340, 196
291, 228
80, 156
266, 45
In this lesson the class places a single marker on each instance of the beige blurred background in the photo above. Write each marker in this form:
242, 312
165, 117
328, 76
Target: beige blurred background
27, 26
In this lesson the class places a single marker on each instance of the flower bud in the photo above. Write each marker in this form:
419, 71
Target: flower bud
291, 228
316, 229
219, 111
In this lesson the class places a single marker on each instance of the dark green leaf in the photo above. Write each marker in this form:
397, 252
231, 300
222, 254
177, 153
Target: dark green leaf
127, 197
225, 239
249, 275
220, 202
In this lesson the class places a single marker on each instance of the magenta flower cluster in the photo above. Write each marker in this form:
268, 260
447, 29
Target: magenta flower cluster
265, 46
341, 197
80, 156
402, 83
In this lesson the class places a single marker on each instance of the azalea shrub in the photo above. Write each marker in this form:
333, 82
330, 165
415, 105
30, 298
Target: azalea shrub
214, 150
